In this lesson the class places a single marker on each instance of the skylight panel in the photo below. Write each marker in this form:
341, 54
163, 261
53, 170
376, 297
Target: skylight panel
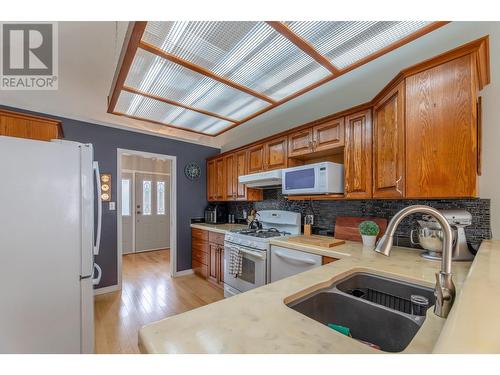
157, 76
346, 42
251, 54
155, 110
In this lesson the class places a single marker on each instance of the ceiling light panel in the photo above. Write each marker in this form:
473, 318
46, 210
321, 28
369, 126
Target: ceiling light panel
155, 75
346, 42
155, 110
252, 54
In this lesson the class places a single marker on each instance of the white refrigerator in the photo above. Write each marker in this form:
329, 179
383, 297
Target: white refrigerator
48, 239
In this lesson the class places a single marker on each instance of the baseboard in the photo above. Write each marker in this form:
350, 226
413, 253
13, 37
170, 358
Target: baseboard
106, 289
184, 273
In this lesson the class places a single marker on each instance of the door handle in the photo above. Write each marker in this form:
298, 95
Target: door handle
294, 259
97, 175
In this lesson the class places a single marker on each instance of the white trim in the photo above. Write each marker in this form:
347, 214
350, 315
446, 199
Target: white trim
145, 172
173, 208
107, 289
184, 273
148, 250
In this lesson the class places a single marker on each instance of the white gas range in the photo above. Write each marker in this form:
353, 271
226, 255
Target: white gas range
254, 246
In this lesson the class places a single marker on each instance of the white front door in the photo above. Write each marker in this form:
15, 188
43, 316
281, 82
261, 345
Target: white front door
152, 211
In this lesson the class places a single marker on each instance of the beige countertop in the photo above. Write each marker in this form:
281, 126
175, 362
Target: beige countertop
218, 228
258, 321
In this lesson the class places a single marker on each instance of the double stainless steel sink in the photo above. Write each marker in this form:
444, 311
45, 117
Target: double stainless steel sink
377, 310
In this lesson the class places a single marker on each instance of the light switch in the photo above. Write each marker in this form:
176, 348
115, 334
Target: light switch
112, 206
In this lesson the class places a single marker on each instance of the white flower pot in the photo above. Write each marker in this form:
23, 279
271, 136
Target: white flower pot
369, 241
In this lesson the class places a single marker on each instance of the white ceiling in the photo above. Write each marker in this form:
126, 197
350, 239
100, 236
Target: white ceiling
89, 51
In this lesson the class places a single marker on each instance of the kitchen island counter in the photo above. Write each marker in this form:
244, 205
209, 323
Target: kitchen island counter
259, 321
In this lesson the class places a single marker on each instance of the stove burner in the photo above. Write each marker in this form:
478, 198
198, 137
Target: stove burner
261, 233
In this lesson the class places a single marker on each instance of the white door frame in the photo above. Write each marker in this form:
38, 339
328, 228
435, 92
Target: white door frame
173, 207
133, 172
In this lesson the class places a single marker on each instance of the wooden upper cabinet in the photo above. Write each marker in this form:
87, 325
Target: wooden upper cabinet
300, 143
441, 138
20, 125
230, 178
211, 180
240, 169
220, 172
256, 159
389, 145
275, 154
358, 155
329, 135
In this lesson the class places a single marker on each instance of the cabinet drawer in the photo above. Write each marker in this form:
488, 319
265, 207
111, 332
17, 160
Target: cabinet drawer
198, 245
200, 269
200, 256
217, 238
199, 234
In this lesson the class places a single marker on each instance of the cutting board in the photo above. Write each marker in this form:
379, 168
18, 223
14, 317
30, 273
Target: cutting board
315, 240
347, 227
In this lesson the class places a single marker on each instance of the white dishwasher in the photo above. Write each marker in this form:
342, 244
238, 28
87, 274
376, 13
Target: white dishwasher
287, 262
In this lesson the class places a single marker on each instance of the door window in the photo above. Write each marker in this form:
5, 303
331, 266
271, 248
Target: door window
160, 197
126, 197
146, 197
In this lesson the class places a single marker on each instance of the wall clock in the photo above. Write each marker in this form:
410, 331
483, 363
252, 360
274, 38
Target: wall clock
192, 171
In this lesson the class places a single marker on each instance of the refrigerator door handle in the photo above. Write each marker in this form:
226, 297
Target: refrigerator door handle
99, 207
97, 280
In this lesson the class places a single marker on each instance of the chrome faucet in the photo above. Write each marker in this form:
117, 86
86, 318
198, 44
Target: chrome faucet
445, 289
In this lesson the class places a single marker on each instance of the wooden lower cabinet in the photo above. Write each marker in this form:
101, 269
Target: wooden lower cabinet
207, 250
358, 155
20, 125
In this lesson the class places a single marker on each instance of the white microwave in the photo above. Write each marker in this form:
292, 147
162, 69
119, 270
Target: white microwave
318, 178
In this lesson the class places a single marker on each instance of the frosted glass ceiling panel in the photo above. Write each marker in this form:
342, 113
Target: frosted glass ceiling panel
157, 76
252, 54
346, 42
150, 109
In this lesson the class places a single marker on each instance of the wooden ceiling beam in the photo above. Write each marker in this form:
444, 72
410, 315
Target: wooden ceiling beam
132, 43
161, 123
304, 45
198, 69
177, 104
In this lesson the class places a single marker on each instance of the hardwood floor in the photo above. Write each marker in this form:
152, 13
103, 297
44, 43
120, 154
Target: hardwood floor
148, 294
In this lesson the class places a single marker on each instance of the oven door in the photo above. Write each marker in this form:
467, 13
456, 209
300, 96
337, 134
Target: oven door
301, 180
254, 268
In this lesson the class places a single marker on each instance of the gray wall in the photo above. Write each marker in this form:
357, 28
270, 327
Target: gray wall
191, 195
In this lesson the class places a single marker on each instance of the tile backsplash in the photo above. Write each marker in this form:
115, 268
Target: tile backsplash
325, 212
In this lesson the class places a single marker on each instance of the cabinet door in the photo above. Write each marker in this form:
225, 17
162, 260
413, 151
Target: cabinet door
25, 126
300, 143
441, 138
240, 168
329, 135
213, 258
230, 177
220, 275
275, 154
358, 155
256, 159
211, 180
389, 145
220, 187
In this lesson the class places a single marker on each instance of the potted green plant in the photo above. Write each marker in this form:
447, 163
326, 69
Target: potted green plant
369, 231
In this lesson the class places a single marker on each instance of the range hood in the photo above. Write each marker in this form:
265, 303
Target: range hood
262, 179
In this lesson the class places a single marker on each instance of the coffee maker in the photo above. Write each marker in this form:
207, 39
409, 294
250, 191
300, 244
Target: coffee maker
430, 235
216, 213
